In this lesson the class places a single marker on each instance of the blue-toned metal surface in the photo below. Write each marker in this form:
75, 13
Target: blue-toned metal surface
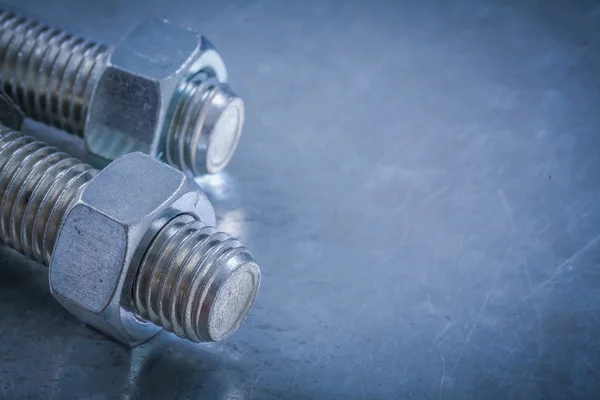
420, 182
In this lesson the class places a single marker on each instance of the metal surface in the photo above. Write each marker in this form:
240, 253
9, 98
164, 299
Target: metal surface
160, 90
421, 182
108, 234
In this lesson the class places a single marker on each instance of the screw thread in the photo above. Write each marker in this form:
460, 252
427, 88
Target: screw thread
195, 281
49, 73
37, 186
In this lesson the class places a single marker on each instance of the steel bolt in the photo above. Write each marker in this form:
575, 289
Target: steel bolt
162, 90
183, 275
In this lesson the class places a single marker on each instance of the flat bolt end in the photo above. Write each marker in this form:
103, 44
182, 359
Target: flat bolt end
232, 302
227, 124
206, 126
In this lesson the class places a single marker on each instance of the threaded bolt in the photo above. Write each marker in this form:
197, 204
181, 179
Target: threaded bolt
192, 280
51, 75
185, 283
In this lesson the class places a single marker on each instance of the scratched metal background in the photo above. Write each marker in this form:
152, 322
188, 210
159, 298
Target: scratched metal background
420, 182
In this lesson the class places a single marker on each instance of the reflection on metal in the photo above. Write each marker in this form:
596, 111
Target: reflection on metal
233, 223
222, 192
218, 187
139, 373
215, 368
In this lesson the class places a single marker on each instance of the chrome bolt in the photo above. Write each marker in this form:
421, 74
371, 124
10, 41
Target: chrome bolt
161, 90
126, 255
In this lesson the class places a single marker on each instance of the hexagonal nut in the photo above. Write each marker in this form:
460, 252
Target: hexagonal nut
133, 95
104, 236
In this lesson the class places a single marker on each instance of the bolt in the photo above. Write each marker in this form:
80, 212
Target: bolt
161, 90
183, 275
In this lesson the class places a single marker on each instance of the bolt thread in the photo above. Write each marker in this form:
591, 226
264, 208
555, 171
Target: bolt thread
37, 186
49, 73
185, 124
182, 273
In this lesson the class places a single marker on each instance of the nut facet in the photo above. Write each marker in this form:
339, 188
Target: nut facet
132, 104
104, 236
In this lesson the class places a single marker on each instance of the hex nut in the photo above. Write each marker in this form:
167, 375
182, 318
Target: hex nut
104, 236
131, 104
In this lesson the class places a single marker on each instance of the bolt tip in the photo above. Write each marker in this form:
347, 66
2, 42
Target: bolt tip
226, 131
233, 301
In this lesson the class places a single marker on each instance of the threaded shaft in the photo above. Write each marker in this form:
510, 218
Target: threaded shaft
195, 281
49, 73
37, 185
